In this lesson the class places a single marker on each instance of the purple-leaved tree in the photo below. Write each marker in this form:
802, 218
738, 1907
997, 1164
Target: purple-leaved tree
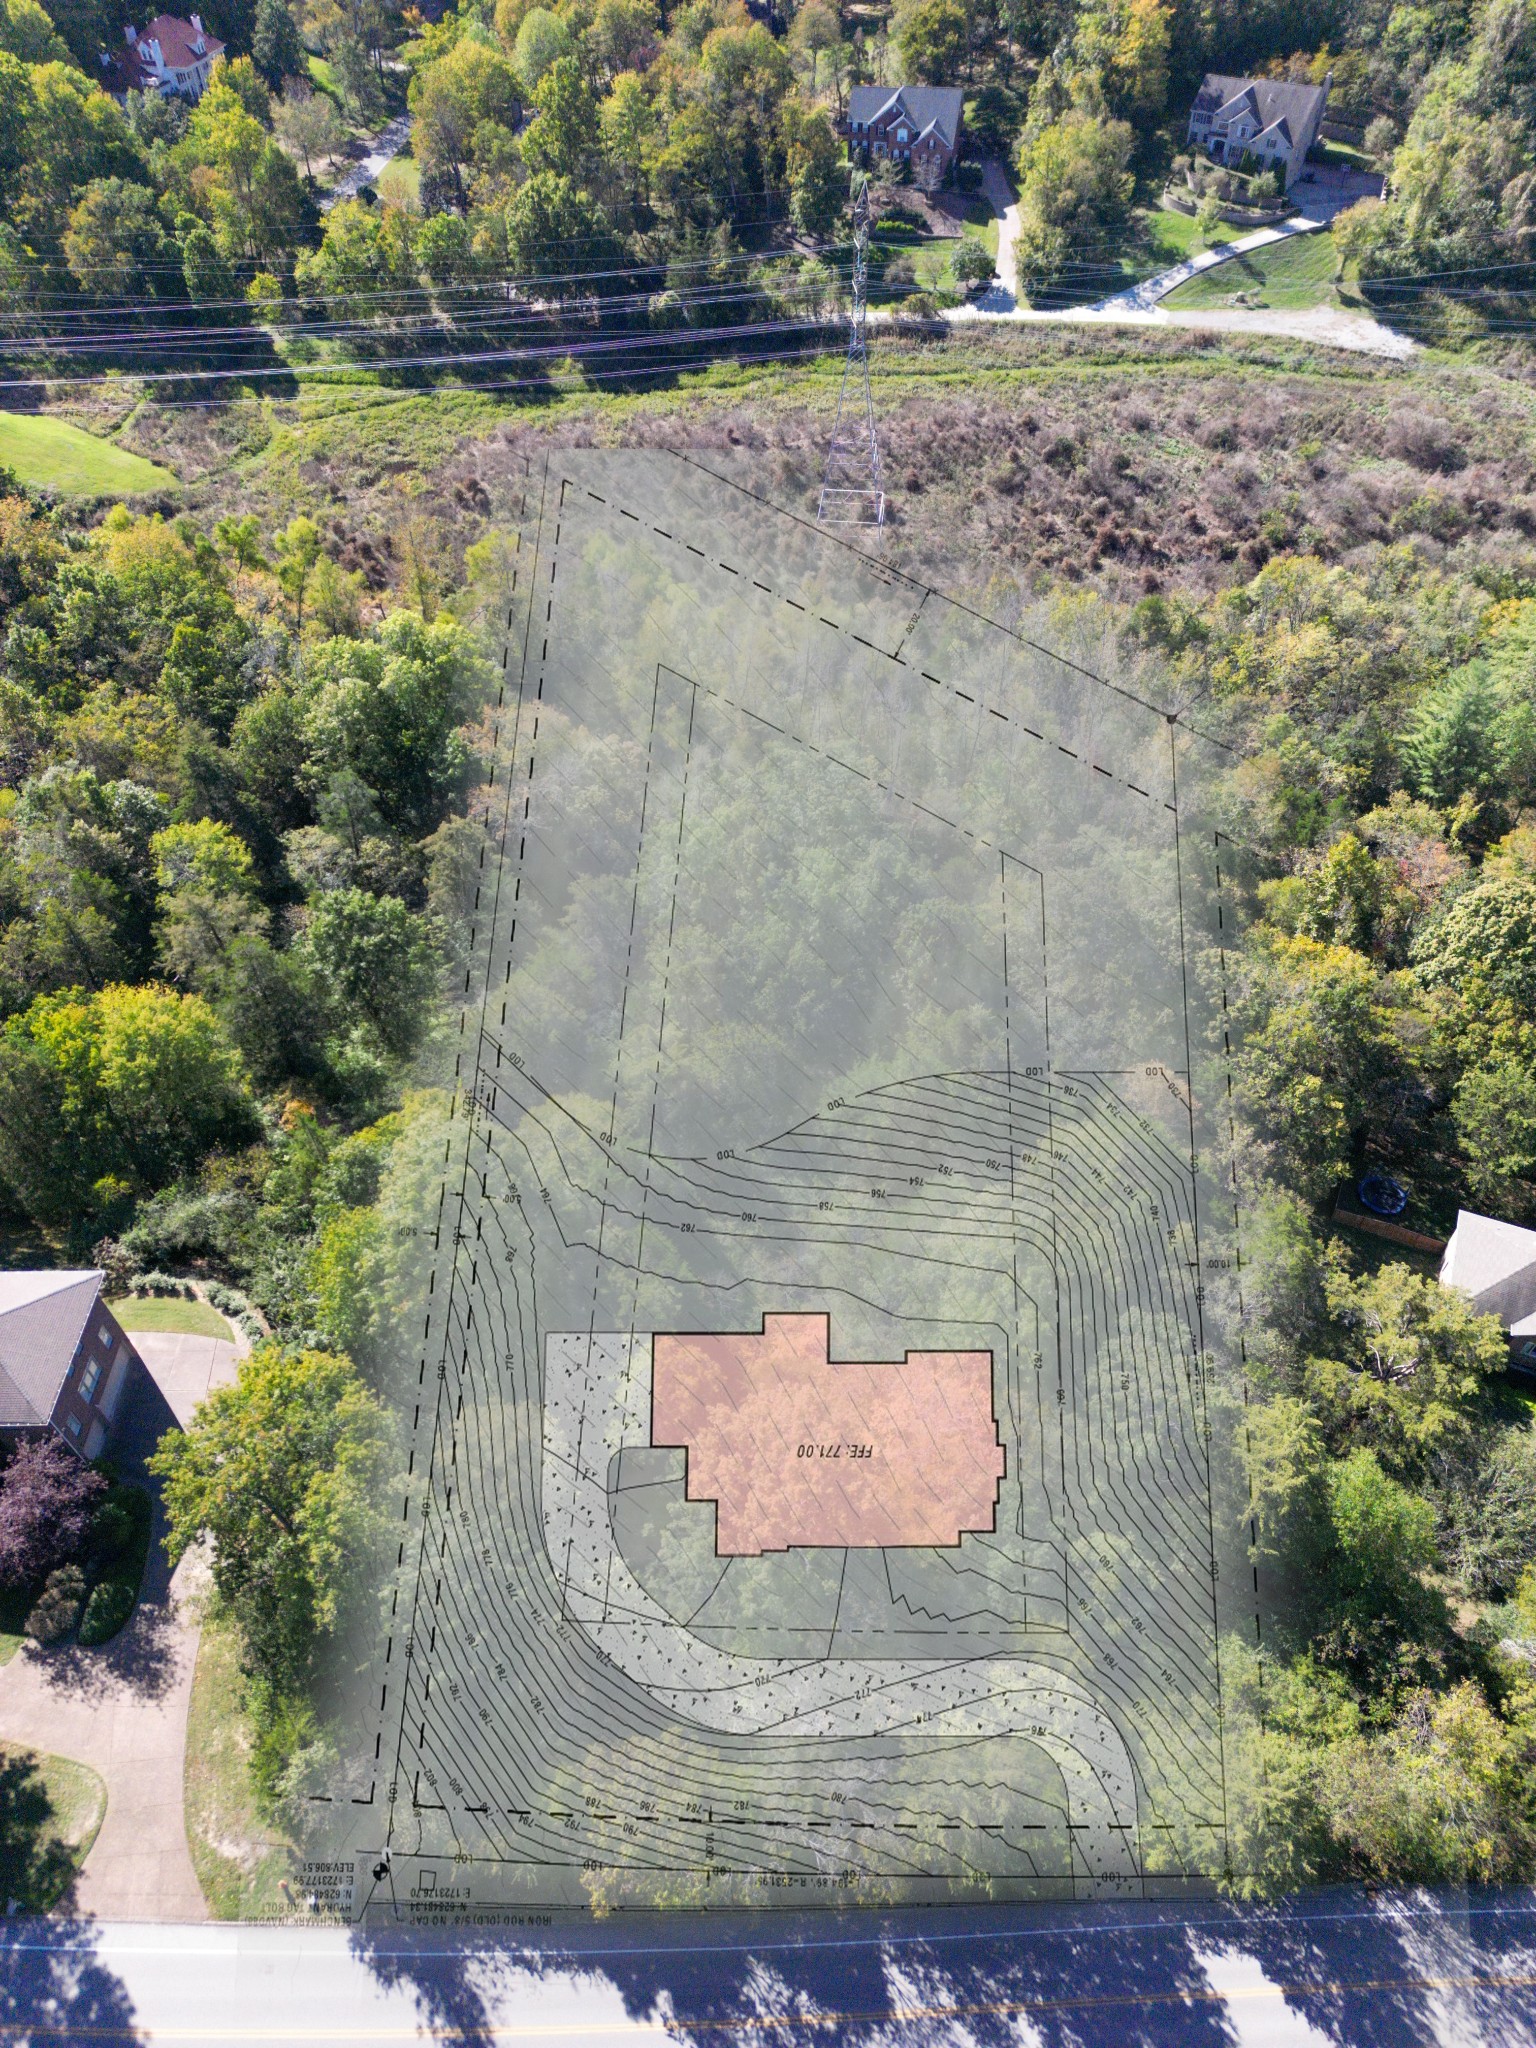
47, 1499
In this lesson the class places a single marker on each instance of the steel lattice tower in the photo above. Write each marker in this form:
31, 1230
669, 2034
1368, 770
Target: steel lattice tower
850, 484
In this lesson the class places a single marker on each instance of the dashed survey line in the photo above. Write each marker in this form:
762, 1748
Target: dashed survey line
886, 654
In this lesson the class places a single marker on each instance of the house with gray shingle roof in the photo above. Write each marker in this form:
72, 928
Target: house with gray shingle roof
1273, 120
1495, 1263
915, 124
65, 1365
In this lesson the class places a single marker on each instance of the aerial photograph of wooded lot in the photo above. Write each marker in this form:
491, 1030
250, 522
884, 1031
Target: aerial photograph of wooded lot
1187, 343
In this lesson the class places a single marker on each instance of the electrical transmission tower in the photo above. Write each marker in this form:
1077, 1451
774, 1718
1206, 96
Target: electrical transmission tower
850, 484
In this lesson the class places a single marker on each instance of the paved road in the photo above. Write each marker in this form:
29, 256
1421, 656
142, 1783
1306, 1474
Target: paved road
383, 150
1330, 1970
123, 1709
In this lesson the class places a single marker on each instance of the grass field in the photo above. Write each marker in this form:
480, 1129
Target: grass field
399, 183
166, 1312
51, 1810
1173, 235
1284, 275
54, 456
239, 1860
933, 261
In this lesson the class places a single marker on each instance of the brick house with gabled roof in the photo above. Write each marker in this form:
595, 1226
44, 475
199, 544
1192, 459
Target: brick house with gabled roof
66, 1368
173, 54
1273, 120
916, 124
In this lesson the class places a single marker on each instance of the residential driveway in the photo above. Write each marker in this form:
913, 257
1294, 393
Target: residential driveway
999, 295
385, 148
1318, 199
1151, 289
123, 1709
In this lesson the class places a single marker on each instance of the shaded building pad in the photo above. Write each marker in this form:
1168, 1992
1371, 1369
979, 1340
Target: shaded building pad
797, 1448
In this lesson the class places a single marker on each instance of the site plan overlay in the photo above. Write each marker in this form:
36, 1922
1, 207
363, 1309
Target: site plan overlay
808, 1388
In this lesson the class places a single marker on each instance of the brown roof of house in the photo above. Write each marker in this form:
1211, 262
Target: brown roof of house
182, 43
125, 71
42, 1319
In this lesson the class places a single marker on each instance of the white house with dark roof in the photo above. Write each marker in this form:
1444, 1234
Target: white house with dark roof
174, 54
65, 1365
1495, 1263
1271, 119
916, 124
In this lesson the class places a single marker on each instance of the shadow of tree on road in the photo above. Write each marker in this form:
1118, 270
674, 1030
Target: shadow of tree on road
1361, 1974
55, 1987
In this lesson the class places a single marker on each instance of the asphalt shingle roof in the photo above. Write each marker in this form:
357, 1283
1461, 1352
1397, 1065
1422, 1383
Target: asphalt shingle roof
925, 106
42, 1318
1271, 99
1495, 1263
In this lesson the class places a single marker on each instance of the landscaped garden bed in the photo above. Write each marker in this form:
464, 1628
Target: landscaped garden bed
73, 1545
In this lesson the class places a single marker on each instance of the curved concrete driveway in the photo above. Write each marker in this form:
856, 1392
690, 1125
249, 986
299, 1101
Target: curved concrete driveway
123, 1709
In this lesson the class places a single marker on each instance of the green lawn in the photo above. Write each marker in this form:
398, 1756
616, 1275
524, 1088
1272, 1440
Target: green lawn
238, 1858
1173, 235
54, 456
399, 183
14, 1608
51, 1810
1284, 275
167, 1312
934, 260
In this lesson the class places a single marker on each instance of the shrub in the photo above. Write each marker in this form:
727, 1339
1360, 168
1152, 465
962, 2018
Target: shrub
968, 177
48, 1500
116, 1266
1426, 441
111, 1529
107, 1609
58, 1606
160, 1284
972, 264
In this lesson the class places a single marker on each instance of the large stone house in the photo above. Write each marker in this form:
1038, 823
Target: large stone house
172, 55
1495, 1263
1270, 119
915, 124
66, 1368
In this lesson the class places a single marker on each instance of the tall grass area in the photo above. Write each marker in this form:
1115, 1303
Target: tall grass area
240, 1861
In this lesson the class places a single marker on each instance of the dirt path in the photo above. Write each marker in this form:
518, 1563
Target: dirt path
1328, 325
123, 1709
